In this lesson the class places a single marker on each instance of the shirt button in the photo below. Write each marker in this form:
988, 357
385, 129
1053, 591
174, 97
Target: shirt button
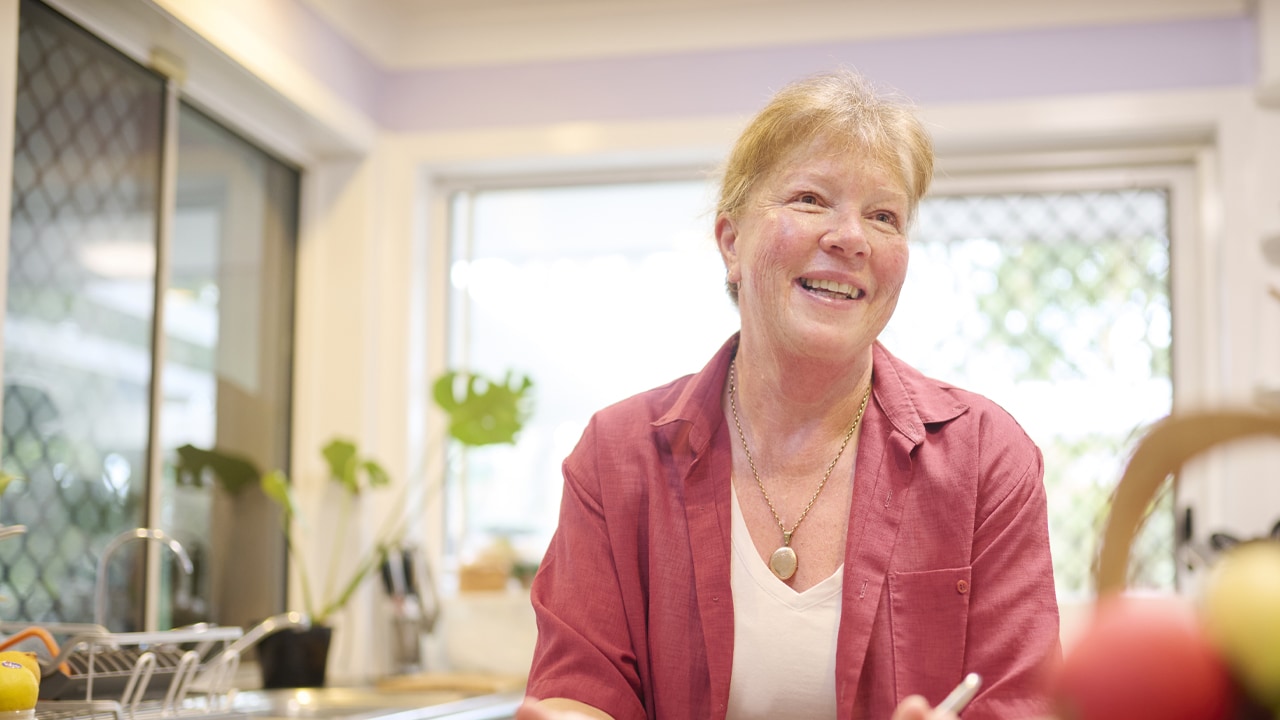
962, 586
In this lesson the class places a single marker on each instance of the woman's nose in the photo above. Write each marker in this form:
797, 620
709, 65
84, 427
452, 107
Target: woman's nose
848, 235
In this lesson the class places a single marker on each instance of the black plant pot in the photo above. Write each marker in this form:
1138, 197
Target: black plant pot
294, 658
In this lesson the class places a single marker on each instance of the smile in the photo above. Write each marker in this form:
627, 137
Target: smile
831, 288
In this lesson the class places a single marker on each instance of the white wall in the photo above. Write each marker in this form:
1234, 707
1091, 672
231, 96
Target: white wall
370, 328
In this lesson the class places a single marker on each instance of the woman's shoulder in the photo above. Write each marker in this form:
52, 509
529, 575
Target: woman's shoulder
936, 401
646, 407
692, 400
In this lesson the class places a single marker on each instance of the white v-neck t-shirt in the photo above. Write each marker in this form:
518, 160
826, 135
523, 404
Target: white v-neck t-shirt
784, 642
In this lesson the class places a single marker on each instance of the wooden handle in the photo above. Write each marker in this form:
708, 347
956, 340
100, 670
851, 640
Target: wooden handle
1161, 452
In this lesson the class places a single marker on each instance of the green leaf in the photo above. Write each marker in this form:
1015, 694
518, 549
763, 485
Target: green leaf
484, 412
377, 474
443, 393
341, 456
277, 487
234, 471
5, 479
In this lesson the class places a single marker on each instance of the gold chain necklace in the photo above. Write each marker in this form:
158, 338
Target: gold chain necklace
784, 561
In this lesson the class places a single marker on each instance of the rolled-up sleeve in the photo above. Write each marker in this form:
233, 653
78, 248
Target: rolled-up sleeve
584, 650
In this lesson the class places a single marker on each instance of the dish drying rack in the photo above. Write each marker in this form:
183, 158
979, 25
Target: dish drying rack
183, 672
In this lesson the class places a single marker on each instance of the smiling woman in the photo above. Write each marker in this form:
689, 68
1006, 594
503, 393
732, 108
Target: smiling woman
1007, 292
692, 575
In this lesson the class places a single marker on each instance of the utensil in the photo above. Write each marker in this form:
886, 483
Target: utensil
422, 586
963, 693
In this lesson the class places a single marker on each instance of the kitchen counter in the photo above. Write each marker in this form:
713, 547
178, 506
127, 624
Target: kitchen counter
368, 703
329, 703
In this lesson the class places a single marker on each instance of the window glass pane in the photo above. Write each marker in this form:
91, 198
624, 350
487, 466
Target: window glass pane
1052, 304
226, 375
595, 292
78, 323
1056, 306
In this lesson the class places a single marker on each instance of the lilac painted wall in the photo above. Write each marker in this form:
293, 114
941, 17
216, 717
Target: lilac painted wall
939, 69
331, 58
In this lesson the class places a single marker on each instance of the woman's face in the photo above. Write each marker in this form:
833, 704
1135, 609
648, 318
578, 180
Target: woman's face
819, 252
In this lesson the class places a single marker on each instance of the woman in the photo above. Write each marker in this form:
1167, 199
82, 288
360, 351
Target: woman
808, 527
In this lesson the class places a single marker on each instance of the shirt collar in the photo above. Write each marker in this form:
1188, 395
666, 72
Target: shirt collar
908, 399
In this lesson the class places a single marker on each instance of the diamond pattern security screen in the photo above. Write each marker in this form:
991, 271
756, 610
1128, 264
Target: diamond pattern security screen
79, 358
1055, 305
78, 322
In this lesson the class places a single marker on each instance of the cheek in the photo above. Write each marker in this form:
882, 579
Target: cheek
891, 264
771, 247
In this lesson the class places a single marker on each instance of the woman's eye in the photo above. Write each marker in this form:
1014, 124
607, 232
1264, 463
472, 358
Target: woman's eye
885, 217
808, 199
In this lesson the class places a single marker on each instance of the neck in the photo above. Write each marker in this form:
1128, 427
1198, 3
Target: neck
791, 393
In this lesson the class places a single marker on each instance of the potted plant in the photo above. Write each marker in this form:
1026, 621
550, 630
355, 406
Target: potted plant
480, 411
484, 411
298, 657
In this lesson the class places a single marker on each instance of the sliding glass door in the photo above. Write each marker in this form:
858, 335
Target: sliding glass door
149, 305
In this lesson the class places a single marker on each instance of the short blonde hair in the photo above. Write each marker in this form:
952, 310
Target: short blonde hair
840, 107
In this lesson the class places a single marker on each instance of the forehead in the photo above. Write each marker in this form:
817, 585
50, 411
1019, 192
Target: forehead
823, 158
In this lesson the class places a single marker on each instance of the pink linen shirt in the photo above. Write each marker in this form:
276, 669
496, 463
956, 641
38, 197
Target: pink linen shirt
947, 567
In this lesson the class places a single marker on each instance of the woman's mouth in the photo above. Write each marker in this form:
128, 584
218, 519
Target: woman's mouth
831, 289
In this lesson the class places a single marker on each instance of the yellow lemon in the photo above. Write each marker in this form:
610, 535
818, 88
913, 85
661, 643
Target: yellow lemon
25, 658
1241, 605
18, 687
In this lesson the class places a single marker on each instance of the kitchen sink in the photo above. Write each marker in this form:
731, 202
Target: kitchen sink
334, 703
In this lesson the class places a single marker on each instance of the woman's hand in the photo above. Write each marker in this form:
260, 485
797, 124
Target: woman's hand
915, 707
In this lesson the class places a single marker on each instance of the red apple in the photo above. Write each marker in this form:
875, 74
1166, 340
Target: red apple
1143, 658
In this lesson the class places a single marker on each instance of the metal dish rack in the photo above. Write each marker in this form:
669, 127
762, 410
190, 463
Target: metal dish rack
131, 676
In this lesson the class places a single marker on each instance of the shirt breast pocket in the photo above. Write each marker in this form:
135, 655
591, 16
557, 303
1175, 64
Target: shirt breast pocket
929, 618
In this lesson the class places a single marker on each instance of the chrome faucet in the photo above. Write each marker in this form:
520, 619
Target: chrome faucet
292, 620
155, 534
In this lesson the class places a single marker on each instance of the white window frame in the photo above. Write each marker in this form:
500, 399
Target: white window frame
1176, 169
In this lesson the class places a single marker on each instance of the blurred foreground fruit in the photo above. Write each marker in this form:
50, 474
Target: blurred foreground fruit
1143, 658
1241, 607
18, 687
25, 658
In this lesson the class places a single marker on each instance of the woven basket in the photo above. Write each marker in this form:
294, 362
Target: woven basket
1161, 452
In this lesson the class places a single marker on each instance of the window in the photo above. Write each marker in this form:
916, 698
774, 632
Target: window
1055, 305
1050, 302
596, 292
94, 404
227, 369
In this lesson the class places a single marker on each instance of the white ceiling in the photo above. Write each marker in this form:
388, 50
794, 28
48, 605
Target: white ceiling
443, 33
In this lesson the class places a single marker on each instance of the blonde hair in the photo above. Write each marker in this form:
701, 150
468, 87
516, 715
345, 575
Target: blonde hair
842, 108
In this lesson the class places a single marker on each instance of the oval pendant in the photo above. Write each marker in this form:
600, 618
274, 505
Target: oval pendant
783, 562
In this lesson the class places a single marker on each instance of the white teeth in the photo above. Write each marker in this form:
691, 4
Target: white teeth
833, 286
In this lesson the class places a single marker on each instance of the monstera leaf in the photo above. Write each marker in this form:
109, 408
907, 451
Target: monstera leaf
345, 465
235, 471
483, 411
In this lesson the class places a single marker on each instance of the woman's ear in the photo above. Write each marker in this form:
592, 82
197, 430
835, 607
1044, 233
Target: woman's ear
727, 241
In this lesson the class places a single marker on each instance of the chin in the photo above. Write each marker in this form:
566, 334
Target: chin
832, 345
